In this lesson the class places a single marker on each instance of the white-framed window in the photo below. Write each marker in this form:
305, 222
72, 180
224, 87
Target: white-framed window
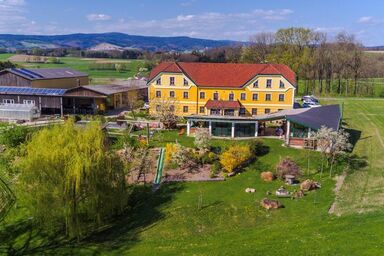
268, 97
202, 95
215, 96
255, 97
172, 80
282, 85
254, 111
185, 109
29, 102
172, 94
281, 97
186, 82
243, 96
256, 84
231, 97
202, 110
8, 101
185, 95
158, 81
158, 94
269, 83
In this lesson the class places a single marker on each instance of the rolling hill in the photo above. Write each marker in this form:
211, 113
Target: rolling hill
125, 41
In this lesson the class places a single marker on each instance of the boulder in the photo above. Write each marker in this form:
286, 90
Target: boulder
270, 204
309, 185
250, 190
267, 176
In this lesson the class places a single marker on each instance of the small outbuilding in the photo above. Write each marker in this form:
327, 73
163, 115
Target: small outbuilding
24, 112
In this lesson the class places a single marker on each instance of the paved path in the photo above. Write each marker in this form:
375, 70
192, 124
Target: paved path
339, 183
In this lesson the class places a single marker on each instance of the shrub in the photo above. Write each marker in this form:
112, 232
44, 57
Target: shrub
209, 158
215, 169
170, 150
14, 136
287, 167
258, 148
234, 157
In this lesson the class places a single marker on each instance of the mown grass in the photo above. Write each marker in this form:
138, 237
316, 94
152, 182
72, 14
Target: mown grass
363, 190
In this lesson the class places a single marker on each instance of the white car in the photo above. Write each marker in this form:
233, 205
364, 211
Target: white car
311, 105
309, 98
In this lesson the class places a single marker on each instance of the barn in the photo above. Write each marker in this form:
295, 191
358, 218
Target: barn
66, 91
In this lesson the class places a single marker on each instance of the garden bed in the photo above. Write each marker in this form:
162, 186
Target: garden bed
202, 174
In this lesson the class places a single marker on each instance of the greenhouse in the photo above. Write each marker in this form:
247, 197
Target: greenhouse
25, 112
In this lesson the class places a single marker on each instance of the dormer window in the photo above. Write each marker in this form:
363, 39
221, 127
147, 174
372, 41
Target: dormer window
158, 81
256, 84
172, 80
185, 82
282, 85
269, 83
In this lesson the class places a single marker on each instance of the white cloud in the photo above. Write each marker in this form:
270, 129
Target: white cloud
98, 17
366, 19
214, 25
184, 17
11, 15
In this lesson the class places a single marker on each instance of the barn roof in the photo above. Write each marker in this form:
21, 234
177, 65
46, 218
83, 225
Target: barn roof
45, 73
223, 74
109, 89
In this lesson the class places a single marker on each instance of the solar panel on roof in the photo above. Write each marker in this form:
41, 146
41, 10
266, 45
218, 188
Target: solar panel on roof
29, 91
32, 73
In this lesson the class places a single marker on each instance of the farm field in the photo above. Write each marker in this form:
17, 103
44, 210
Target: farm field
83, 65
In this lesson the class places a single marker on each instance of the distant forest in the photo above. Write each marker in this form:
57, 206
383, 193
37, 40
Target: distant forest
340, 66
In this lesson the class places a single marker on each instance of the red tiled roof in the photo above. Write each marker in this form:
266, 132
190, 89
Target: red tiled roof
223, 74
222, 104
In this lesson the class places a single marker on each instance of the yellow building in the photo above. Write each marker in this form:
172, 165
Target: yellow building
223, 89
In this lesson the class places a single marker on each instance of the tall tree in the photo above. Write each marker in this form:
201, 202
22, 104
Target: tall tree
70, 179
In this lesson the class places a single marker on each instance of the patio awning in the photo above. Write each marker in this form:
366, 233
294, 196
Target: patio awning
314, 118
222, 104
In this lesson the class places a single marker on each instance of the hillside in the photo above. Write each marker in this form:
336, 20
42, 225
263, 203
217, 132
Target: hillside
86, 41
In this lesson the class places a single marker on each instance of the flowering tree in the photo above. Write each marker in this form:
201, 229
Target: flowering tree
331, 143
202, 138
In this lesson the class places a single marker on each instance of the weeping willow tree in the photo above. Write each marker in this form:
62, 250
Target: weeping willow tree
69, 178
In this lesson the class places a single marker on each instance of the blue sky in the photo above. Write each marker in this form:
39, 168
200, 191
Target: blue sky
214, 19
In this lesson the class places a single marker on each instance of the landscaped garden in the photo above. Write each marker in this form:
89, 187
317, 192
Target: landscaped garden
219, 217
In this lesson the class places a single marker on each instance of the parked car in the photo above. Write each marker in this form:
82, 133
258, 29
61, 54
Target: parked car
309, 98
296, 105
311, 105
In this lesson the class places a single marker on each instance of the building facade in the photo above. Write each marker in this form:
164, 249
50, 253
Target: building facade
221, 89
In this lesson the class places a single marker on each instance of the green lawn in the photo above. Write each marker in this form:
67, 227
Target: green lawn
219, 218
5, 56
364, 190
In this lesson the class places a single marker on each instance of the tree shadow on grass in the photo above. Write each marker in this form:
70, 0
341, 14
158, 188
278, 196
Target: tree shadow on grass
22, 238
354, 136
144, 213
